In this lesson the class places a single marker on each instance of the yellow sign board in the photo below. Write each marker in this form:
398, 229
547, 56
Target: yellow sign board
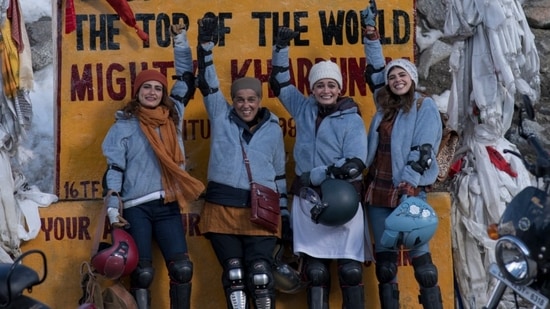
100, 59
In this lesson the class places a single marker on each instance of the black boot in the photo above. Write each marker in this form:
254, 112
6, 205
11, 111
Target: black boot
317, 297
353, 297
430, 298
143, 298
426, 275
180, 296
389, 295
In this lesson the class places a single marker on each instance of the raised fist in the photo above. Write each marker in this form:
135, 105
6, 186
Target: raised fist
284, 36
208, 27
178, 28
368, 15
179, 33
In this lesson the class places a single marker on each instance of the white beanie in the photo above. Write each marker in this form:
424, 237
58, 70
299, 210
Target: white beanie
325, 69
405, 65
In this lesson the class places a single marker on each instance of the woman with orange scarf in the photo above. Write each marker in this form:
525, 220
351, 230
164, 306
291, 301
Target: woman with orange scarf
146, 169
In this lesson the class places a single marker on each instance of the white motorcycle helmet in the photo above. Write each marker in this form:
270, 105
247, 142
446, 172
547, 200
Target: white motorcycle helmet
411, 224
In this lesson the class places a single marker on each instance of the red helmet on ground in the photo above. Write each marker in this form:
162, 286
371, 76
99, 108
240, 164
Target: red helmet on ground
117, 259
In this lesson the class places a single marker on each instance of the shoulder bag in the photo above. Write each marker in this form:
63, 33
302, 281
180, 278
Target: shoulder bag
264, 202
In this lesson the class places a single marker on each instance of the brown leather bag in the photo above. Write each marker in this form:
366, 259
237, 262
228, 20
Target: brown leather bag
117, 296
265, 208
264, 202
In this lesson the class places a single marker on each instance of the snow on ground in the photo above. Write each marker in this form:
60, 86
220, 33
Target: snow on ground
37, 156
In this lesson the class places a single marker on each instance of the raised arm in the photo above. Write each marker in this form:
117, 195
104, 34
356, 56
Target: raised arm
184, 87
374, 72
280, 75
208, 82
279, 79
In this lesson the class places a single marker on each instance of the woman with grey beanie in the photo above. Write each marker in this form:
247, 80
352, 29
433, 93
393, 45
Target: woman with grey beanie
240, 128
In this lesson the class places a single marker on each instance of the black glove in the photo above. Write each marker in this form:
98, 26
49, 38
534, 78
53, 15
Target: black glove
284, 36
349, 170
208, 28
305, 179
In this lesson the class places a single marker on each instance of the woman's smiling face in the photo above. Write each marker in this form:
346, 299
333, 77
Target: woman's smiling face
247, 104
399, 81
150, 94
326, 91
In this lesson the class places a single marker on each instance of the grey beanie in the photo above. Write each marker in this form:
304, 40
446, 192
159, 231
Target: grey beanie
325, 69
406, 65
246, 83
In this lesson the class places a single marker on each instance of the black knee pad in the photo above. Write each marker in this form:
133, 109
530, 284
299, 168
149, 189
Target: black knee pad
260, 275
142, 276
233, 271
425, 271
386, 266
317, 273
350, 272
180, 271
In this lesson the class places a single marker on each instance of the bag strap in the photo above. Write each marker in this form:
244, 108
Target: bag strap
419, 102
88, 284
101, 221
246, 163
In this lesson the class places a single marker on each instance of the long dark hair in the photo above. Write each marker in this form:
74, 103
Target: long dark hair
130, 109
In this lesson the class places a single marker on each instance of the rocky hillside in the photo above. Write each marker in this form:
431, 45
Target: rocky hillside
433, 60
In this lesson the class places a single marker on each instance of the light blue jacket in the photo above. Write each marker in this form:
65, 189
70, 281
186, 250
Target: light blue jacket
265, 150
126, 147
341, 135
415, 128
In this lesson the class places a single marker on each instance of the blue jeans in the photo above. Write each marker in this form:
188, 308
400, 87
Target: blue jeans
159, 221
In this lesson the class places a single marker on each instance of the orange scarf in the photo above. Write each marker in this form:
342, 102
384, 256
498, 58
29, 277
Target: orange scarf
178, 184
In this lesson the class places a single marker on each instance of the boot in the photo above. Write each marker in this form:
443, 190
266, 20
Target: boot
353, 297
317, 297
180, 296
389, 295
143, 298
430, 298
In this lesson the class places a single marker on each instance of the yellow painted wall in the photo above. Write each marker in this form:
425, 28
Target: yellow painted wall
96, 65
68, 227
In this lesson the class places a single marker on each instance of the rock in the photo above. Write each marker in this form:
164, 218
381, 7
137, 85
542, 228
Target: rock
436, 53
538, 14
41, 40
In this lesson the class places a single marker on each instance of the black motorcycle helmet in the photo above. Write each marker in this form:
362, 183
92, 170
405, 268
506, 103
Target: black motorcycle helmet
522, 250
287, 271
337, 204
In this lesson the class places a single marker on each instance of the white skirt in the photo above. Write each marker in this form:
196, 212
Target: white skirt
349, 241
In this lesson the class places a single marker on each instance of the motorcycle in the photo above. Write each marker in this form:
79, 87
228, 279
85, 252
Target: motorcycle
522, 249
15, 278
